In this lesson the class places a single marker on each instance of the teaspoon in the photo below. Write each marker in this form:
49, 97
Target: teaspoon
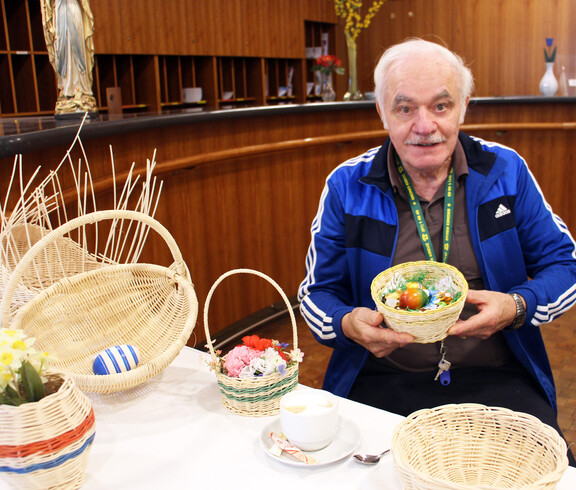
370, 458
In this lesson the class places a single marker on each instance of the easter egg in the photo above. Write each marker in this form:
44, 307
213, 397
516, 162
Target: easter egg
413, 298
117, 359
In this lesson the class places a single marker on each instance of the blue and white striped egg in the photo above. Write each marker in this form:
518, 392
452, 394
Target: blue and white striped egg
117, 359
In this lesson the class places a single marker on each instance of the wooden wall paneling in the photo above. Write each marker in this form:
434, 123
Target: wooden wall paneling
202, 26
293, 27
319, 10
229, 28
142, 31
504, 41
395, 22
261, 36
109, 35
150, 27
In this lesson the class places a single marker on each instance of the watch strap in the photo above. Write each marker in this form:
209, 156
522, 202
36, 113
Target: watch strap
520, 312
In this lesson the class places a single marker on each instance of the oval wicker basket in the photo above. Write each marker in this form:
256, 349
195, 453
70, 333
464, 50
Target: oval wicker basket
472, 446
149, 306
46, 444
426, 326
258, 396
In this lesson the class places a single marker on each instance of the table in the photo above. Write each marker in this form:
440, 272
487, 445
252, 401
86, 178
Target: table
173, 432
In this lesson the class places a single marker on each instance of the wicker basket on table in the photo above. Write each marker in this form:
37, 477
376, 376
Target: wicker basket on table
46, 444
256, 396
429, 325
471, 446
149, 306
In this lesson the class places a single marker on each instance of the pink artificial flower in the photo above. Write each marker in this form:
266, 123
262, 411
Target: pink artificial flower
238, 358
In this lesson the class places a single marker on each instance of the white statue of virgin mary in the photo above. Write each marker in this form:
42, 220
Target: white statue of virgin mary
68, 31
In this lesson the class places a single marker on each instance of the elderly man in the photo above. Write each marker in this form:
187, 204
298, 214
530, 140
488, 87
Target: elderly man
517, 256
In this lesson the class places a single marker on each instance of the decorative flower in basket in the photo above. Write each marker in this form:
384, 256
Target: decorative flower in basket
423, 298
253, 376
257, 357
21, 368
46, 422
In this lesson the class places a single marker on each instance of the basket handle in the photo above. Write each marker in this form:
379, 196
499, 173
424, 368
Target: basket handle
257, 273
90, 218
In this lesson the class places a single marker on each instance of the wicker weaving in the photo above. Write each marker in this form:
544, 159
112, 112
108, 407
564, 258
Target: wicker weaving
46, 444
146, 305
256, 396
426, 326
471, 446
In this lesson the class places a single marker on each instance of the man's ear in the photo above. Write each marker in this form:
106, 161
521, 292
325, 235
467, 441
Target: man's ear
381, 114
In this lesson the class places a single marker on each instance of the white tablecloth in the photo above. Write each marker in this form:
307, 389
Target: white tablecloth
173, 432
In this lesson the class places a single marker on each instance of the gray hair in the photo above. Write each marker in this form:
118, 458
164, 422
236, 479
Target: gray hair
408, 48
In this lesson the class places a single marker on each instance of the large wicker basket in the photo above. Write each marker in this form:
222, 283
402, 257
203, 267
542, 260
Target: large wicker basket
426, 326
258, 396
46, 444
471, 446
145, 305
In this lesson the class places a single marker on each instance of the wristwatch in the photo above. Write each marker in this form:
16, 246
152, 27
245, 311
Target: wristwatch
520, 312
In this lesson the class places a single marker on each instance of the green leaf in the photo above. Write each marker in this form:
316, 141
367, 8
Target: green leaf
10, 397
32, 383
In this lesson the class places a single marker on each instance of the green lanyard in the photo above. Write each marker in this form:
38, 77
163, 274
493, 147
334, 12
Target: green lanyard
419, 216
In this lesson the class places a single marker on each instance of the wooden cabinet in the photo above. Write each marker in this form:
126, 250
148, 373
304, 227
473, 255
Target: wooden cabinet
240, 52
27, 82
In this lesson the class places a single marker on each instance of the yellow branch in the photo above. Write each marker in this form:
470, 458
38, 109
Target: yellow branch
349, 10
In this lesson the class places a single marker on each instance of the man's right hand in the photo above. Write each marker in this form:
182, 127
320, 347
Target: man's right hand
363, 326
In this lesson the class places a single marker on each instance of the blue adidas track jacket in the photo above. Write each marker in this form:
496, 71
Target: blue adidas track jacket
515, 235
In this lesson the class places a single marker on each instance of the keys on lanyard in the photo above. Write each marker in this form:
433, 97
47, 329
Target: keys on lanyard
443, 373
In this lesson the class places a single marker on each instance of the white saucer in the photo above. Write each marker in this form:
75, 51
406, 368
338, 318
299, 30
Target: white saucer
346, 442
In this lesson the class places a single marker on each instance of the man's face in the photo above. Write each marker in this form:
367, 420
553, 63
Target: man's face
422, 112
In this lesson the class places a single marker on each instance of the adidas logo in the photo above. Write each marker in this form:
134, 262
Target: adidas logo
502, 211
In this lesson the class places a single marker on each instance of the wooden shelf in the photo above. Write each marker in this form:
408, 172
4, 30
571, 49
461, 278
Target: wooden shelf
151, 74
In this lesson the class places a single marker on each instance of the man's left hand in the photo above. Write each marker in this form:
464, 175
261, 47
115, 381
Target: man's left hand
495, 311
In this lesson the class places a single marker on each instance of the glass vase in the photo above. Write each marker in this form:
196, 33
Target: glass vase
548, 83
328, 94
353, 92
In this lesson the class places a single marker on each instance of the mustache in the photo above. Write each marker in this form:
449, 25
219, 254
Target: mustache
425, 140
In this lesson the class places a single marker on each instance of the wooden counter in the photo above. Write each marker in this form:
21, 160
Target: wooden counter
241, 187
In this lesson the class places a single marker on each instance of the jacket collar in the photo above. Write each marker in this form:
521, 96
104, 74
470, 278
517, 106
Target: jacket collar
479, 160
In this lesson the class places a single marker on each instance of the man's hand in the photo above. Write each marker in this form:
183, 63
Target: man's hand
362, 325
495, 311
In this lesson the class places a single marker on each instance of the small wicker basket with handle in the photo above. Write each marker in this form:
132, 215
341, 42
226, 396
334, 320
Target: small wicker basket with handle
255, 396
151, 307
429, 325
472, 446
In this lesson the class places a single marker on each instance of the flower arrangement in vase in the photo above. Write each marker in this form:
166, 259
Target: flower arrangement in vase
328, 64
47, 424
548, 83
349, 10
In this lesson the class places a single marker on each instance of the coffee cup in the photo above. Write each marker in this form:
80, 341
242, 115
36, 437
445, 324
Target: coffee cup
309, 418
